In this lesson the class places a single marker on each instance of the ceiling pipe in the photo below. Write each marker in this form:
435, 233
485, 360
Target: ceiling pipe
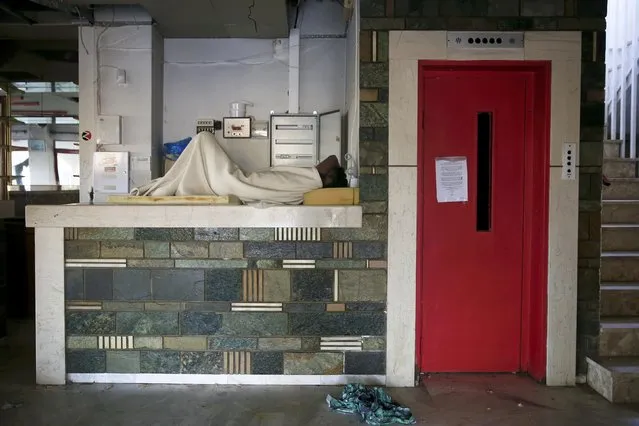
294, 71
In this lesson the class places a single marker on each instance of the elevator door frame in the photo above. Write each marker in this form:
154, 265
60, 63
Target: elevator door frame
536, 191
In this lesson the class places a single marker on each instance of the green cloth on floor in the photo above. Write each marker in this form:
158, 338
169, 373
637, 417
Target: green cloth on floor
373, 405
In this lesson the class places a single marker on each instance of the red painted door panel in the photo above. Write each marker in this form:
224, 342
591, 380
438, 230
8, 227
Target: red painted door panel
472, 251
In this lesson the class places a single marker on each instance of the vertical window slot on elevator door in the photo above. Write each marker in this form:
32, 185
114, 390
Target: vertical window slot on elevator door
484, 170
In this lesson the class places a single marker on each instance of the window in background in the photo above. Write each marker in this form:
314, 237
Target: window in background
35, 120
20, 162
66, 120
67, 159
45, 87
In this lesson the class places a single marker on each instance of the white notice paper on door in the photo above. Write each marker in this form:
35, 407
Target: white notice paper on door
451, 176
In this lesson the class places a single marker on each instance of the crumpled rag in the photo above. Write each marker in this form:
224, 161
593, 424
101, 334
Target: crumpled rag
372, 404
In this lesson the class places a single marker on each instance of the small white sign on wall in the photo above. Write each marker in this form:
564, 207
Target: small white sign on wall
451, 179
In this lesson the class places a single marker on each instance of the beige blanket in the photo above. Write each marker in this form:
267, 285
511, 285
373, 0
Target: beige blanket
204, 168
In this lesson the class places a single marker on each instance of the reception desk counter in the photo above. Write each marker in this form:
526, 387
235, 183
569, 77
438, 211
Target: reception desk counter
208, 294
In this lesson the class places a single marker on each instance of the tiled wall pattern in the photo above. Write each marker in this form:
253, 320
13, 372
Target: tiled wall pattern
4, 293
380, 16
226, 301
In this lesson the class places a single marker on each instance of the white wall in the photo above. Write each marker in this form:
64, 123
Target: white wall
134, 49
352, 90
202, 76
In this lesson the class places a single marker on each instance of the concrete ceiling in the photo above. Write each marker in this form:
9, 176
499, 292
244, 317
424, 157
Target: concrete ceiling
210, 18
39, 38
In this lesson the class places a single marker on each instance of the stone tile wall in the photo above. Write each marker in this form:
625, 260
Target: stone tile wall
226, 301
380, 16
4, 291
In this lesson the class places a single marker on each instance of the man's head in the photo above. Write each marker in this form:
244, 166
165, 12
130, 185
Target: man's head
333, 176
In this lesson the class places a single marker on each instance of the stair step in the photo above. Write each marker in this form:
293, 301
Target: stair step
619, 336
620, 266
620, 167
612, 149
620, 237
621, 189
620, 211
615, 378
619, 299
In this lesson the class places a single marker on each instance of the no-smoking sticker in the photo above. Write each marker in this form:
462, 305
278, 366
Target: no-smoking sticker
86, 135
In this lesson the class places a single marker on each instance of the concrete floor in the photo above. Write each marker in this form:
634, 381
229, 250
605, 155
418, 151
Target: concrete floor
444, 400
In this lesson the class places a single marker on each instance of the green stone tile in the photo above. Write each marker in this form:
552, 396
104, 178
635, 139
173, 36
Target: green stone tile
216, 234
102, 234
265, 263
202, 362
280, 344
374, 228
232, 343
164, 306
226, 250
314, 363
374, 207
157, 249
185, 343
85, 361
160, 362
147, 342
190, 249
373, 153
373, 343
82, 342
340, 264
373, 74
310, 344
208, 306
122, 306
81, 249
277, 286
210, 263
88, 322
151, 263
257, 234
373, 114
164, 234
122, 361
149, 323
121, 249
254, 324
356, 285
382, 46
373, 187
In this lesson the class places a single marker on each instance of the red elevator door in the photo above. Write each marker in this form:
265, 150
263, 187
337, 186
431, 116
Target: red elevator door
472, 250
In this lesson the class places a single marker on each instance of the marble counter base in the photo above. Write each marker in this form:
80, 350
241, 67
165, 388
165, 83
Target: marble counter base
226, 379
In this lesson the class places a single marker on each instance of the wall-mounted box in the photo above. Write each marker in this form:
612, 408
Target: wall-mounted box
111, 172
294, 140
109, 130
236, 127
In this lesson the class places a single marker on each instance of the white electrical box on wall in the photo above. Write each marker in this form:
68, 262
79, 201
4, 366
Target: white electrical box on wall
109, 130
111, 172
204, 125
236, 127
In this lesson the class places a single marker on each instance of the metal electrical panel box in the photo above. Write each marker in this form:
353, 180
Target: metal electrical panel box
111, 172
294, 140
109, 130
330, 124
237, 127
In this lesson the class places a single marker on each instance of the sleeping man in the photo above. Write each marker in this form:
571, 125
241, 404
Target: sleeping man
204, 168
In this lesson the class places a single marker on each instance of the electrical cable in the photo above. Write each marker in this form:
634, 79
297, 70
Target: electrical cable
250, 8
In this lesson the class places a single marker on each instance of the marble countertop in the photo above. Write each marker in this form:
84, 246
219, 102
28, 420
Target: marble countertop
191, 216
